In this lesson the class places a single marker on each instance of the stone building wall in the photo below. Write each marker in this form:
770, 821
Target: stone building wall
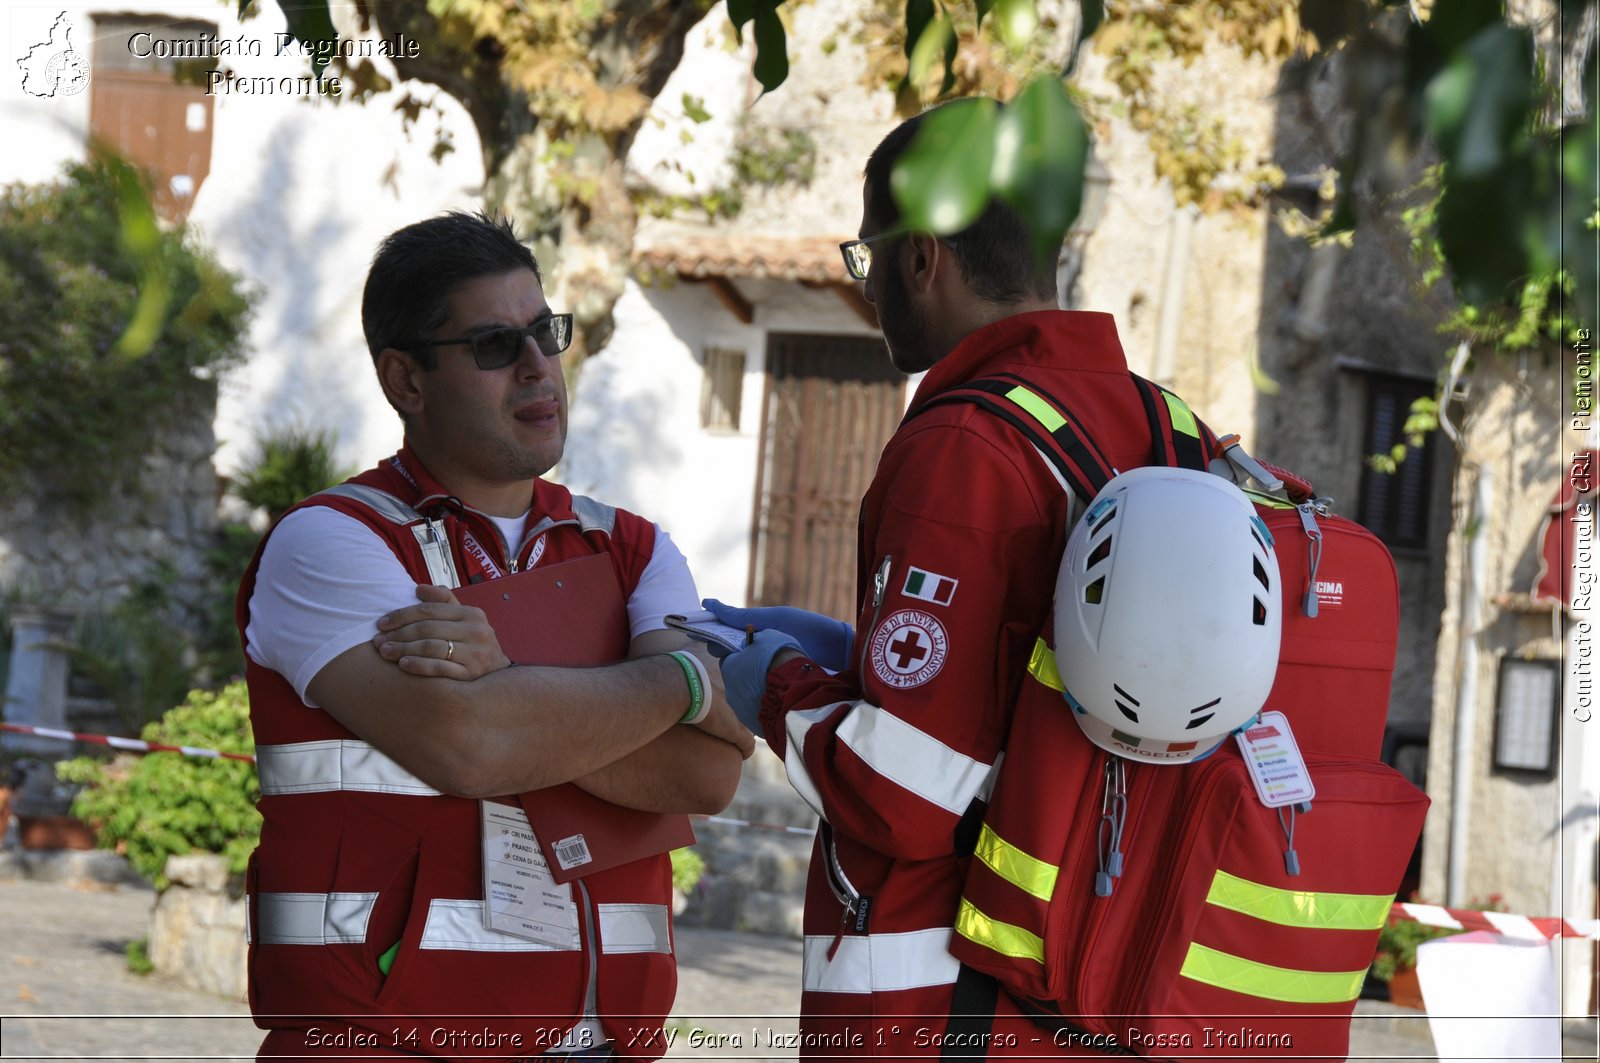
50, 553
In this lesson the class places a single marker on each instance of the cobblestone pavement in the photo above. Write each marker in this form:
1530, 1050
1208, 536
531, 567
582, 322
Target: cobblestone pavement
66, 992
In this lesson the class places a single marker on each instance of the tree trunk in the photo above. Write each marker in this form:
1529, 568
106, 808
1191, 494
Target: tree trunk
559, 176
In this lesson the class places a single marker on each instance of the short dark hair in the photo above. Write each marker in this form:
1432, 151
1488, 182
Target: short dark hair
995, 252
417, 268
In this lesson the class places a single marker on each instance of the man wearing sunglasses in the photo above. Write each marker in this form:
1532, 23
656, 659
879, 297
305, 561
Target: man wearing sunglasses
962, 529
386, 728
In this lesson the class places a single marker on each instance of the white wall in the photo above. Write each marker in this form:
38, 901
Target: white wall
300, 192
635, 441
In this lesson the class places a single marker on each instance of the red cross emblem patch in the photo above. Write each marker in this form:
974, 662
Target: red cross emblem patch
909, 648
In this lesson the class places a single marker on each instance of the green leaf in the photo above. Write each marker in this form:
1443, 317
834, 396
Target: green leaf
1477, 108
694, 108
983, 7
1579, 243
1041, 147
1481, 225
936, 40
141, 239
739, 13
772, 57
310, 23
1016, 21
1455, 22
1091, 14
919, 13
941, 183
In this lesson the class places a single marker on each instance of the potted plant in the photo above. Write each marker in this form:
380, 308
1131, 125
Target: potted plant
1395, 963
42, 804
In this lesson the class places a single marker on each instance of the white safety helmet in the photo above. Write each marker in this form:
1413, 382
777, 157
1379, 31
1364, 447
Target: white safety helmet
1168, 615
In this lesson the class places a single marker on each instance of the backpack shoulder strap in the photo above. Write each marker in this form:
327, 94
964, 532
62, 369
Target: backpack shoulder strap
1180, 438
1053, 430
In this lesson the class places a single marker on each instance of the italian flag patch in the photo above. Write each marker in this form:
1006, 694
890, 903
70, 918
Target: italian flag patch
928, 586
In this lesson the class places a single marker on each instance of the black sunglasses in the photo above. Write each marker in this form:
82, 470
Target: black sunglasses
497, 348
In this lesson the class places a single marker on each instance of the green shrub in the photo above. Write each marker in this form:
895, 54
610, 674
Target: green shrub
687, 867
112, 329
288, 465
168, 804
134, 654
138, 954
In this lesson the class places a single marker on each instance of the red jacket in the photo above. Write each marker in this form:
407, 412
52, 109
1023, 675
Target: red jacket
962, 529
357, 855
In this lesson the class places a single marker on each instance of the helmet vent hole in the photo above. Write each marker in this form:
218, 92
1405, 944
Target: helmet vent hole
1104, 518
1095, 592
1129, 713
1098, 554
1257, 536
1261, 575
1200, 722
1259, 616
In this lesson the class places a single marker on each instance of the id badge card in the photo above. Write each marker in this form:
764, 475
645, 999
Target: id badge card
520, 896
1276, 767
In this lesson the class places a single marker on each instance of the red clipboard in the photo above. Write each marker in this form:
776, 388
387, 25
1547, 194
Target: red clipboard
573, 614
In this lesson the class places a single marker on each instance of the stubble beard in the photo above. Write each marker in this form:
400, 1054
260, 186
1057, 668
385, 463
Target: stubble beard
905, 330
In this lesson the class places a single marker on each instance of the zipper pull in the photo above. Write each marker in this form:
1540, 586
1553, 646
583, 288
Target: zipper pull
845, 918
1308, 521
880, 582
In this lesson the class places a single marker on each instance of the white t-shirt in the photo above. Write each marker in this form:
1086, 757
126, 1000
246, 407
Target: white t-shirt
325, 578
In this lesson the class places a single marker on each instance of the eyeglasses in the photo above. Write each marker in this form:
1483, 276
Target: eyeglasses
858, 253
497, 348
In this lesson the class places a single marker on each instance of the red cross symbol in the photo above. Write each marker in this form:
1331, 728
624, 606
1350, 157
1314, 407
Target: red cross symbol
908, 650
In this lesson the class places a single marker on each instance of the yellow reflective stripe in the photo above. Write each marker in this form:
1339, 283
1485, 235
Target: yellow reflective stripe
1261, 499
1001, 937
1042, 411
1042, 666
1029, 874
1182, 417
1319, 911
1268, 982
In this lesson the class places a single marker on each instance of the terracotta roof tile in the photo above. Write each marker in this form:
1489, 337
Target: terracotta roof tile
813, 260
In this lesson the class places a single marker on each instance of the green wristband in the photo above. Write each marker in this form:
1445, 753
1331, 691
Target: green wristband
695, 673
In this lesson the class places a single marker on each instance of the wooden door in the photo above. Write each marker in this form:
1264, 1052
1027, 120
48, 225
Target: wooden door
831, 404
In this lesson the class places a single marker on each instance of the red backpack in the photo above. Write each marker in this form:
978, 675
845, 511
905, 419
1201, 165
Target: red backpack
1164, 910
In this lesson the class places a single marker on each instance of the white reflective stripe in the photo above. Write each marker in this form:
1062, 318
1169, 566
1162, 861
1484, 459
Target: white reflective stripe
314, 918
635, 928
334, 764
912, 758
796, 724
436, 552
986, 791
459, 925
880, 963
376, 499
594, 516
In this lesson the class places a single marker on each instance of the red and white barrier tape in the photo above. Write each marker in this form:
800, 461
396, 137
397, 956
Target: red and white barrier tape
726, 822
1512, 926
132, 744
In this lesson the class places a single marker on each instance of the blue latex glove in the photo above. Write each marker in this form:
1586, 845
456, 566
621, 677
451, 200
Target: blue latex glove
744, 674
822, 638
